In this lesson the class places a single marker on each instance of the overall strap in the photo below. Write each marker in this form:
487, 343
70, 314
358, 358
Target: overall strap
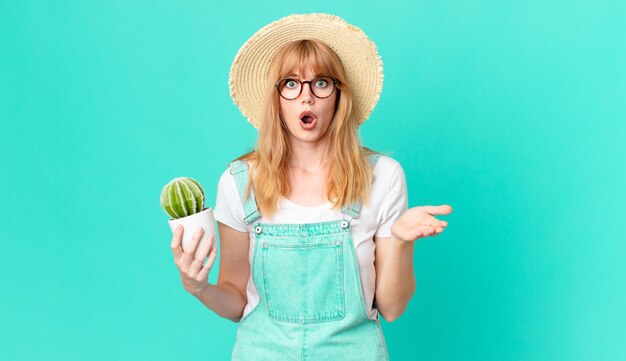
240, 170
353, 210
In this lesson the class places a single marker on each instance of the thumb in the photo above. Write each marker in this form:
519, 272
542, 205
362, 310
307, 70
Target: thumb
442, 209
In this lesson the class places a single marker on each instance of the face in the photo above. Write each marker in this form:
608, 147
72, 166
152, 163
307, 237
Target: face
322, 110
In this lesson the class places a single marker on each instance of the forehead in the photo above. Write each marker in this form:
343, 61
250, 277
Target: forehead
303, 72
302, 75
304, 64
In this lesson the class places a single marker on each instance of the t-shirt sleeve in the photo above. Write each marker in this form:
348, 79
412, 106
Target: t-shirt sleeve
228, 208
396, 202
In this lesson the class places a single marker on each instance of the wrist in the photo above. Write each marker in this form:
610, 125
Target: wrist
202, 292
401, 241
398, 239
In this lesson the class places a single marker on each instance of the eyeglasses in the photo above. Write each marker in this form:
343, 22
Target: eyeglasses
322, 87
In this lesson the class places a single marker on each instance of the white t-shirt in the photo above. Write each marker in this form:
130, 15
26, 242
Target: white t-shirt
388, 200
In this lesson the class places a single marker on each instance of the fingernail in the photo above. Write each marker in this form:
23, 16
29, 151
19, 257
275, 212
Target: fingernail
199, 230
179, 227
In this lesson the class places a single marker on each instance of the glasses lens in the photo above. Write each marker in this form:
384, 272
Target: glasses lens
322, 87
289, 88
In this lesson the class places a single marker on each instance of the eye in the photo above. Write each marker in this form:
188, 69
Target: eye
321, 83
290, 83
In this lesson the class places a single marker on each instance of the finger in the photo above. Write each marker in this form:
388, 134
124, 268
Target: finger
426, 230
434, 222
425, 227
443, 209
203, 249
189, 255
176, 241
204, 272
194, 267
200, 256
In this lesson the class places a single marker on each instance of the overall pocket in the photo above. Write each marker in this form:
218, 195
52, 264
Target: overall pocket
303, 283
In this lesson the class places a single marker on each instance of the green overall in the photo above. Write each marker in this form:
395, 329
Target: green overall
311, 304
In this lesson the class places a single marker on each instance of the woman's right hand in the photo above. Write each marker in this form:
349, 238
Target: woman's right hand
193, 275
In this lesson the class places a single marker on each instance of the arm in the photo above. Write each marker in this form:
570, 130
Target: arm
395, 281
228, 297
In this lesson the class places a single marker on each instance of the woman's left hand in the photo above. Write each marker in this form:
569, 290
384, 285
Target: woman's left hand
419, 222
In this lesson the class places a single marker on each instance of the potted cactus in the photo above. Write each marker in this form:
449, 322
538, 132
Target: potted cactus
183, 200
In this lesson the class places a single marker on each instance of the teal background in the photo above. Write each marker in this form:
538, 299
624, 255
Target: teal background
511, 112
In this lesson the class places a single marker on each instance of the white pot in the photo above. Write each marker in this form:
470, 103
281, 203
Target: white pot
191, 223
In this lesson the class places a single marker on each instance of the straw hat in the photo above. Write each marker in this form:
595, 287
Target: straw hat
358, 54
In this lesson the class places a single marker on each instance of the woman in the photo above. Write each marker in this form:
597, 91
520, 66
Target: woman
316, 237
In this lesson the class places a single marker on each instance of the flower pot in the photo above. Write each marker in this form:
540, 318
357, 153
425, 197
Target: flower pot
191, 223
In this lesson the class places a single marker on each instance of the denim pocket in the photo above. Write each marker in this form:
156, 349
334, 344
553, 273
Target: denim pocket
303, 283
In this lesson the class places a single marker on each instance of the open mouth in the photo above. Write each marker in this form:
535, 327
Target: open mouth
307, 119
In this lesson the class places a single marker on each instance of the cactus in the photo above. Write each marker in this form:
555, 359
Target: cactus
182, 197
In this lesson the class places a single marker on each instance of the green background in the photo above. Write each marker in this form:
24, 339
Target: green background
511, 112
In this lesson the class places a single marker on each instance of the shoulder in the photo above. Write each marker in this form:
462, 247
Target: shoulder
227, 179
386, 165
387, 173
233, 170
236, 172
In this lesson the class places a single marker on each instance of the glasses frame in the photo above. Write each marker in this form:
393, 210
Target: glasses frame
301, 82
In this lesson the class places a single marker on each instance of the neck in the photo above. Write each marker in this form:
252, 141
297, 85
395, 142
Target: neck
307, 156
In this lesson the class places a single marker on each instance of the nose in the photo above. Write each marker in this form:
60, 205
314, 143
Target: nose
307, 96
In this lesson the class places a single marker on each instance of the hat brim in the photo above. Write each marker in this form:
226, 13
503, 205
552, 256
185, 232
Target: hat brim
359, 57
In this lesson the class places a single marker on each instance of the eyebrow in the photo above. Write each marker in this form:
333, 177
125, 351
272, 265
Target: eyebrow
296, 75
